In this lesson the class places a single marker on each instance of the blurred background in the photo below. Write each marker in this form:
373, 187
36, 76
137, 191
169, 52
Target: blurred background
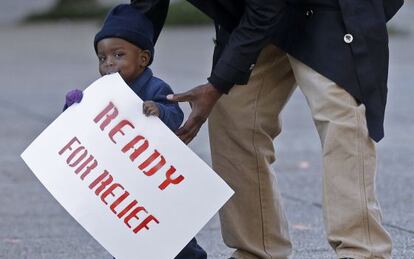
46, 49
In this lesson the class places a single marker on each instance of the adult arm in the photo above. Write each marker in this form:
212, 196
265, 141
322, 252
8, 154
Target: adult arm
391, 7
234, 66
155, 10
245, 43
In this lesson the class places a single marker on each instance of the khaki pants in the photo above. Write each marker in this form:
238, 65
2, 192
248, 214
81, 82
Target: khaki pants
242, 127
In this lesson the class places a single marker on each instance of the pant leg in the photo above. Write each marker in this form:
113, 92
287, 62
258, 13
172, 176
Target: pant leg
242, 127
351, 211
192, 251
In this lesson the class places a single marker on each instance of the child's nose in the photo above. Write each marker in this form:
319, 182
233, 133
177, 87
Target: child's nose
110, 61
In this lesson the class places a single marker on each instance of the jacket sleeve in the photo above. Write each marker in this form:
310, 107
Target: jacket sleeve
155, 10
170, 112
238, 58
391, 7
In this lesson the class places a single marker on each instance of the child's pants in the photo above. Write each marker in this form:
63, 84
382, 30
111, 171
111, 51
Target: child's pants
191, 251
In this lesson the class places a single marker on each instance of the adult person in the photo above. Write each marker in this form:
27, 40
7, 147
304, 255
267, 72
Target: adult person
336, 51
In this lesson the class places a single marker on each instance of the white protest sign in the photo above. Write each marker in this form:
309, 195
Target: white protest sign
126, 178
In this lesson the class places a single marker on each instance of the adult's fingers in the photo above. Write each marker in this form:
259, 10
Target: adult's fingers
189, 130
180, 97
188, 135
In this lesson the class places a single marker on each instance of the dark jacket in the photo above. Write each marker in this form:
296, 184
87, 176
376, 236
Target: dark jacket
313, 31
151, 88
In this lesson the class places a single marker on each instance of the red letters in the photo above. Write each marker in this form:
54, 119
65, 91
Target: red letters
149, 160
103, 183
110, 191
169, 180
69, 145
118, 201
137, 151
89, 168
108, 118
118, 128
134, 214
79, 159
128, 208
105, 186
145, 223
110, 112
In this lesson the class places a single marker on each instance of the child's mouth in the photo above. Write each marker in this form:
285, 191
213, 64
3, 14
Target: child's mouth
111, 72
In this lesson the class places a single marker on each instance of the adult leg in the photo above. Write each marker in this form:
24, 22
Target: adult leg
242, 127
351, 210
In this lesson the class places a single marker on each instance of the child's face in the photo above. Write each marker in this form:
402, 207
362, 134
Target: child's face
118, 55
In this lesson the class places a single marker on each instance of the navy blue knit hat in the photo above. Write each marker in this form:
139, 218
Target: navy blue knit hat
129, 23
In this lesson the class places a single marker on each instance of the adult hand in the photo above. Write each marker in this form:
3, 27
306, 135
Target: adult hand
202, 100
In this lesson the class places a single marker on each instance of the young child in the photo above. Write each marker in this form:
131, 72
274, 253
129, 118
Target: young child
125, 44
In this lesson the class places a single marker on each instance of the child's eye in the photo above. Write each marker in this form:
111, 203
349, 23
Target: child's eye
101, 59
118, 54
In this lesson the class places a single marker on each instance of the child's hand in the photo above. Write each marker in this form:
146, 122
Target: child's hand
151, 108
73, 96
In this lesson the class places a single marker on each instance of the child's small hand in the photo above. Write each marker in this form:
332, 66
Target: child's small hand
151, 108
73, 96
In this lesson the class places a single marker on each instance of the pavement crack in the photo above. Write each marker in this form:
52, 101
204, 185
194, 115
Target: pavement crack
409, 231
317, 250
293, 198
319, 205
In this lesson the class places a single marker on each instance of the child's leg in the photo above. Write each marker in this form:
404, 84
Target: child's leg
192, 251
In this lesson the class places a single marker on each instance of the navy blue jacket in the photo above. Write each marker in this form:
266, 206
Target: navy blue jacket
151, 88
344, 40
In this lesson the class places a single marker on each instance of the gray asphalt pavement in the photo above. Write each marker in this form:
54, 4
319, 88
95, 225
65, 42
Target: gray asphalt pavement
40, 63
